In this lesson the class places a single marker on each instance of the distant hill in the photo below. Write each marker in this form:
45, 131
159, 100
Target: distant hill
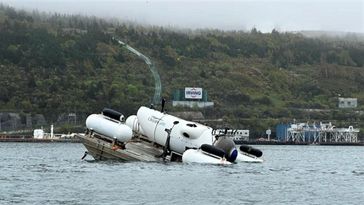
335, 35
55, 64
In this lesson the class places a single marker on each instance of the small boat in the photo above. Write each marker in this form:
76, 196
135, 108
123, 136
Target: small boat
154, 136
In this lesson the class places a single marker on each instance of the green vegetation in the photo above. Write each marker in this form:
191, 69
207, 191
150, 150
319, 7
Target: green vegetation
52, 64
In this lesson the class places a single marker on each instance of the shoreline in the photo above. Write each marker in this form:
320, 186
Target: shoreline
32, 140
299, 143
77, 140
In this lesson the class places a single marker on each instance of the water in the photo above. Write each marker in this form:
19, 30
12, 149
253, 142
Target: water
52, 173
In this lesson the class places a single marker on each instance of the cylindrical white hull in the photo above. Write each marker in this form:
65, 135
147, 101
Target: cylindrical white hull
108, 127
132, 122
248, 158
184, 135
197, 156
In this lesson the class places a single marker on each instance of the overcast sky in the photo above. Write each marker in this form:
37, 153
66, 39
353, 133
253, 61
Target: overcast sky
284, 15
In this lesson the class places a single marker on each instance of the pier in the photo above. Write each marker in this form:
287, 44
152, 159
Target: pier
30, 138
322, 133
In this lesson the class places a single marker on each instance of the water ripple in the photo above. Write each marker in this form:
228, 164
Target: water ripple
358, 172
54, 174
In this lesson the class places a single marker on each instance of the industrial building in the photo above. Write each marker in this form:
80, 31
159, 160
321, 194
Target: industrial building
316, 133
348, 102
236, 135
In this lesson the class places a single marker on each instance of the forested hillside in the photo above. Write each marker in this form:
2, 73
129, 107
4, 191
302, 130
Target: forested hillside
53, 64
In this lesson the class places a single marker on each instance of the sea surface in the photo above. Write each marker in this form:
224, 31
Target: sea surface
53, 173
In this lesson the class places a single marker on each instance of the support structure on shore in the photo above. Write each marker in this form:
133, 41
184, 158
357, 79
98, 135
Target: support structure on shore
324, 132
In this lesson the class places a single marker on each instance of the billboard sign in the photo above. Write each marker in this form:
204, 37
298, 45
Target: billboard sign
193, 93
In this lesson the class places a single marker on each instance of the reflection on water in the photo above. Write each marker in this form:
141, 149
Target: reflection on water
32, 173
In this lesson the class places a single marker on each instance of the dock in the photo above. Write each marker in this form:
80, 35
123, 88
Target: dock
31, 139
275, 142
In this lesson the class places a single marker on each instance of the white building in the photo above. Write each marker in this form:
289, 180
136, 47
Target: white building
348, 102
234, 134
38, 134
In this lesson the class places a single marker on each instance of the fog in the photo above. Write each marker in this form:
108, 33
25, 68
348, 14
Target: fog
265, 15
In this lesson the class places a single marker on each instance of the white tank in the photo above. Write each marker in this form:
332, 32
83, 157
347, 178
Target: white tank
248, 158
108, 127
132, 122
38, 133
185, 134
197, 156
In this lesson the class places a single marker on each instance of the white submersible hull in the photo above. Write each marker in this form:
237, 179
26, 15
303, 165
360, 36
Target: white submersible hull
155, 136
